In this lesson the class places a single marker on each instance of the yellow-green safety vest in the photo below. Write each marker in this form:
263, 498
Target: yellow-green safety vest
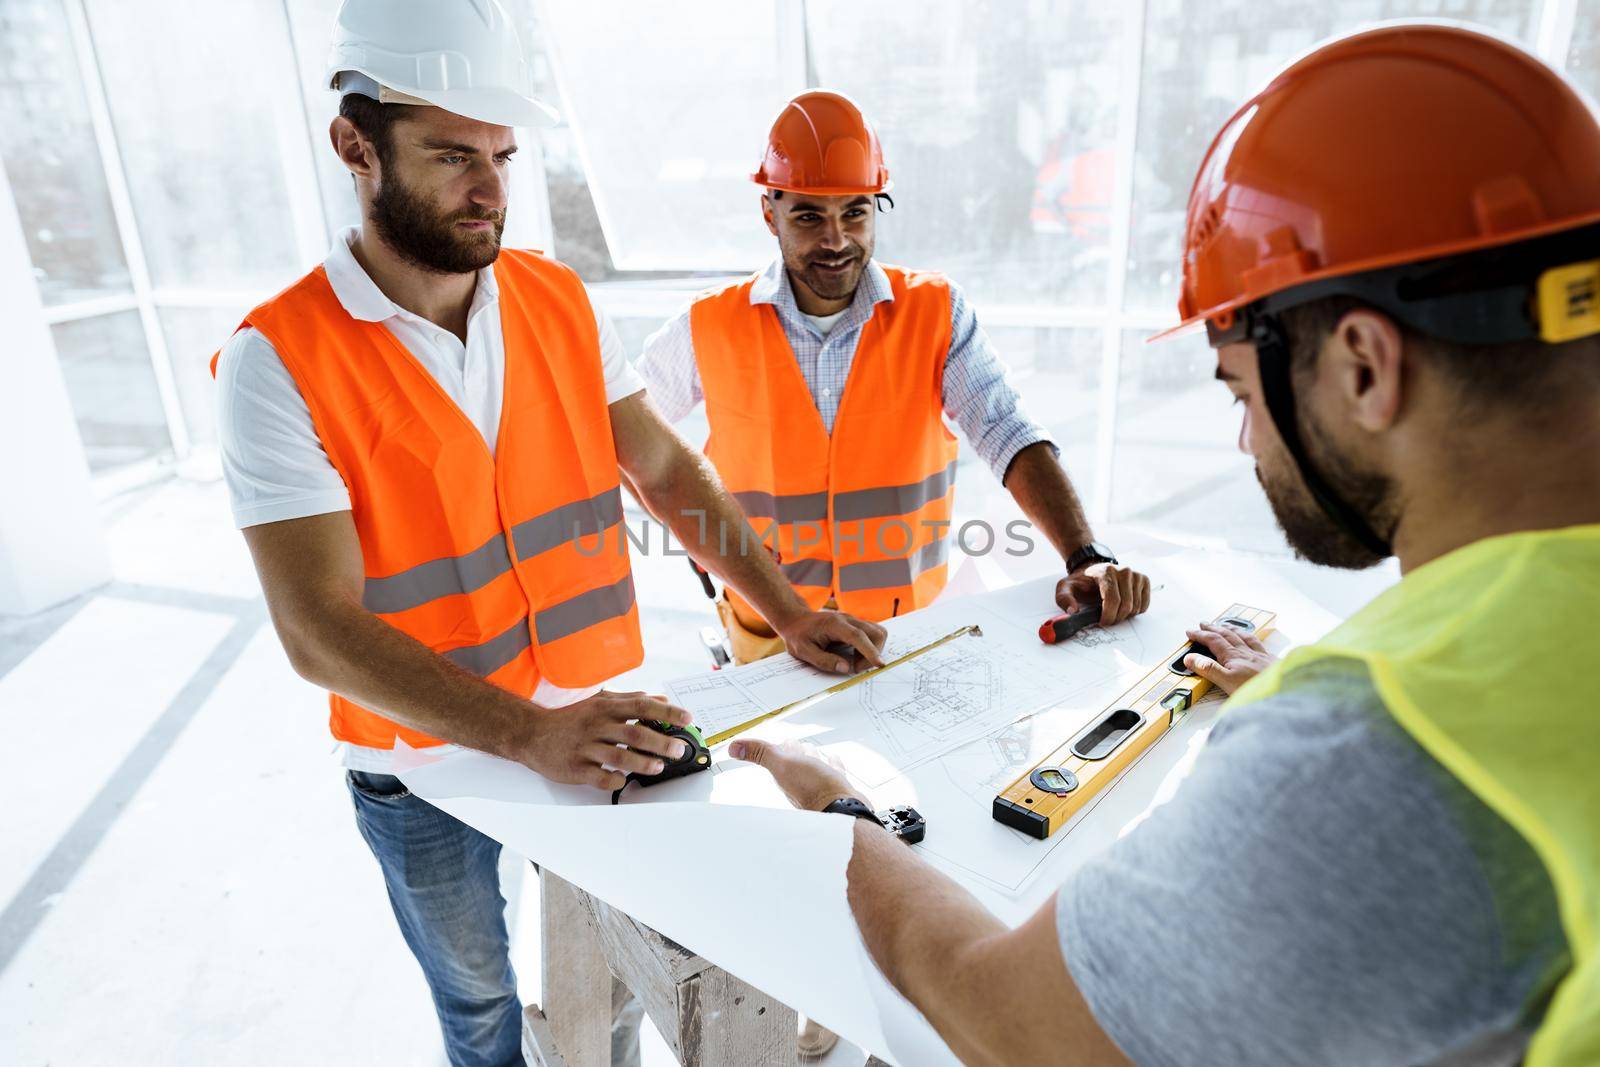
1490, 658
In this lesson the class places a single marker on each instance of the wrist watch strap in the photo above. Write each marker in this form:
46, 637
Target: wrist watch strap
852, 806
1093, 552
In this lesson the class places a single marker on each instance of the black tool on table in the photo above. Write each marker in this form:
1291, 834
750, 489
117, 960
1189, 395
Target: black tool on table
696, 756
705, 580
845, 651
904, 822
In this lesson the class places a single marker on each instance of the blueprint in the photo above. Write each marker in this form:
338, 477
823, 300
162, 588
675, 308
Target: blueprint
968, 688
941, 698
716, 701
722, 700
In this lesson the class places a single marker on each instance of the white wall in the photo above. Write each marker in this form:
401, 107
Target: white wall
51, 547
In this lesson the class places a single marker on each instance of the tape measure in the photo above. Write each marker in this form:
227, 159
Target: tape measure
839, 687
696, 757
1042, 800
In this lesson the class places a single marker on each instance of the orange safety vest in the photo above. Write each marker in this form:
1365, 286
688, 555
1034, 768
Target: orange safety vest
861, 515
514, 566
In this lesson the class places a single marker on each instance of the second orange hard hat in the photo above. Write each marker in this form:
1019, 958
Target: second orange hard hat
821, 143
1400, 144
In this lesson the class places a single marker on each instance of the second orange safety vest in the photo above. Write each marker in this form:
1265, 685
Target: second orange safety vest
513, 566
861, 515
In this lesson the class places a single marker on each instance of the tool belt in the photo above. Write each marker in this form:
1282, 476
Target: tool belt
749, 636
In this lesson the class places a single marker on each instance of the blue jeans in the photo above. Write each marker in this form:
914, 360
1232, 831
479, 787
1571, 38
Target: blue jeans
444, 885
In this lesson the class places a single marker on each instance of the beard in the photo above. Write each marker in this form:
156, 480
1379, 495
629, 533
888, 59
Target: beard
829, 284
411, 224
1313, 535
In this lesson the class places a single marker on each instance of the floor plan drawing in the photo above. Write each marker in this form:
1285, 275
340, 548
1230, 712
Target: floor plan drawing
714, 700
1094, 637
982, 768
938, 696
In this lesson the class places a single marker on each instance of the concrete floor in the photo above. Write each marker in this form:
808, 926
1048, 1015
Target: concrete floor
182, 877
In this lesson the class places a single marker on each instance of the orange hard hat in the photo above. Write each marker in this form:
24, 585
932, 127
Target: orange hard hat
821, 143
1399, 144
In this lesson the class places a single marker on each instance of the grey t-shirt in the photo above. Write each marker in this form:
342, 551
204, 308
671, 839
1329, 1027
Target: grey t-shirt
1319, 891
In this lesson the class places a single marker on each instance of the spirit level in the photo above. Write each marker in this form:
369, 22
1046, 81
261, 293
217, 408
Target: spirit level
1043, 799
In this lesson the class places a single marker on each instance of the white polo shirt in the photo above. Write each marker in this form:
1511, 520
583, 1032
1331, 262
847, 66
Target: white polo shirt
272, 459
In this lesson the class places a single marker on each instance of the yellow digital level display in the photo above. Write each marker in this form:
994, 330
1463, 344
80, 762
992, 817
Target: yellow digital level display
1042, 800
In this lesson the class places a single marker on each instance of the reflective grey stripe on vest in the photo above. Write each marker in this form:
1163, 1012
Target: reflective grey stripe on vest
567, 523
483, 660
437, 578
562, 620
808, 572
472, 571
857, 504
892, 499
585, 609
889, 573
796, 507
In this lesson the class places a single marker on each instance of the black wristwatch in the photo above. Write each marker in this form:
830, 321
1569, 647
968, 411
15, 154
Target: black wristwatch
1093, 552
852, 806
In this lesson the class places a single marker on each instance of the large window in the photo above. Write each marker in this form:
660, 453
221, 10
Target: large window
48, 145
661, 99
999, 124
1583, 56
204, 142
169, 160
159, 159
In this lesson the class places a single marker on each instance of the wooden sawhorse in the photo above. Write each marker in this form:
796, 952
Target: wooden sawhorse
708, 1017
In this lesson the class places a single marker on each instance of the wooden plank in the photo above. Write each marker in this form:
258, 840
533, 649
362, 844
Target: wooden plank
726, 1022
678, 962
538, 1044
708, 1017
575, 981
642, 960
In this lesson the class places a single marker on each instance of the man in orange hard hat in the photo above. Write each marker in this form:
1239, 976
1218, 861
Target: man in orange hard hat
423, 440
826, 378
1389, 851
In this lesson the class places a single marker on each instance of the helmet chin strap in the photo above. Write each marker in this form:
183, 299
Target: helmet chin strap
1272, 363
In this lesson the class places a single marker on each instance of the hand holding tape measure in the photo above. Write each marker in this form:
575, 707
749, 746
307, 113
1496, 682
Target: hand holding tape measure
696, 756
1064, 782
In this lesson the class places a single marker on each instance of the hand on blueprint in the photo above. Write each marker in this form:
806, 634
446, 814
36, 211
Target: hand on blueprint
1236, 657
578, 743
1121, 592
809, 781
809, 635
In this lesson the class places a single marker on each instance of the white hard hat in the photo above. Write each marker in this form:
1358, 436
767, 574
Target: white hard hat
461, 55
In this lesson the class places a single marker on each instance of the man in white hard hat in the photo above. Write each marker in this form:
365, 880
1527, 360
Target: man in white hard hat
423, 439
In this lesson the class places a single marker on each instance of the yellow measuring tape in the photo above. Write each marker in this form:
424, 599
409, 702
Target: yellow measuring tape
839, 687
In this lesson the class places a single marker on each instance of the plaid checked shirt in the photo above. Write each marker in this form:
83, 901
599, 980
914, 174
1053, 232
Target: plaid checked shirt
977, 397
